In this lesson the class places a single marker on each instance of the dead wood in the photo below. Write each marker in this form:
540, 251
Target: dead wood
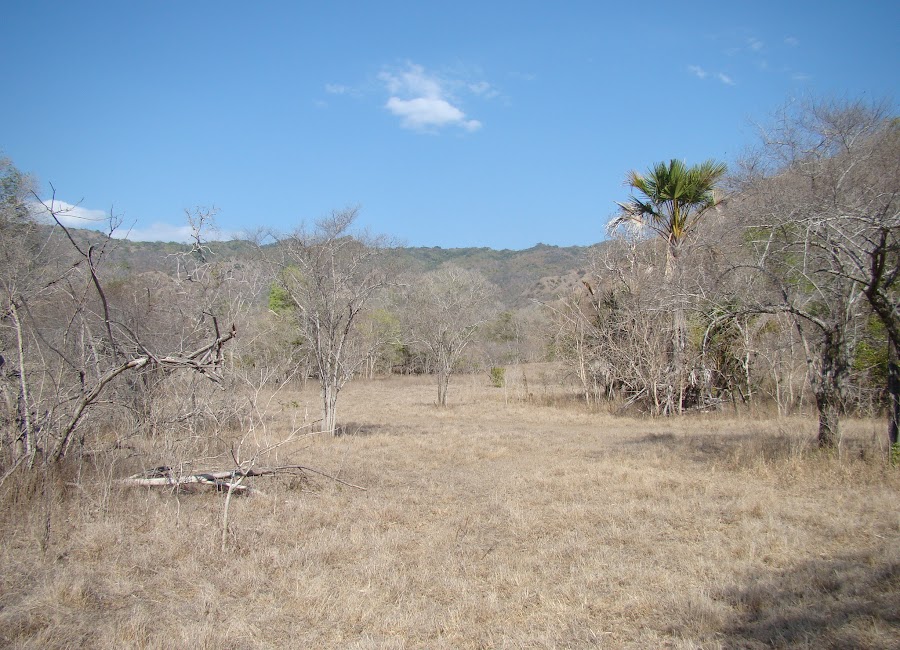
221, 480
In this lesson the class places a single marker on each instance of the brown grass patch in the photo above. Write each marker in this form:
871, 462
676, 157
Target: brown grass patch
498, 522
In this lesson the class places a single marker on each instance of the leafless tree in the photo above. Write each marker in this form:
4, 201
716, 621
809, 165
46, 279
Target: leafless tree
443, 311
381, 337
73, 347
820, 201
331, 276
617, 327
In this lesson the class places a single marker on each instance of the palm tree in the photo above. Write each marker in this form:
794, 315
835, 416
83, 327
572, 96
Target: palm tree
672, 199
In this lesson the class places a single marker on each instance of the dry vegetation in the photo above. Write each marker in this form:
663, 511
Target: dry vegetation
514, 518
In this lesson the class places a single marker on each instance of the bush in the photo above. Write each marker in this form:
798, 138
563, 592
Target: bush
498, 377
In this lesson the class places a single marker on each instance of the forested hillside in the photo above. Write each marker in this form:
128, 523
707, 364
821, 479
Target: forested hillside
537, 273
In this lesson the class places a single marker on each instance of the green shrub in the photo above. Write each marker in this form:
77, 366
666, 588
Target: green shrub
498, 377
280, 300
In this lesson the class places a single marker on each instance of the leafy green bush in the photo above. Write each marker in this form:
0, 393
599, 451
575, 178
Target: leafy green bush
280, 300
498, 377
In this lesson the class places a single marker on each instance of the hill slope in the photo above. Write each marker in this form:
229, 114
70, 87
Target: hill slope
538, 273
534, 273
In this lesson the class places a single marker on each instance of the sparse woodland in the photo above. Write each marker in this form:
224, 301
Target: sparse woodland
779, 289
687, 438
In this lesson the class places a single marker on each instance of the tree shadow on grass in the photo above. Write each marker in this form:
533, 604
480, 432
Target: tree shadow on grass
846, 602
751, 448
703, 447
357, 429
362, 429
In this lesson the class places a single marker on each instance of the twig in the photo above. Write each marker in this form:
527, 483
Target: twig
12, 469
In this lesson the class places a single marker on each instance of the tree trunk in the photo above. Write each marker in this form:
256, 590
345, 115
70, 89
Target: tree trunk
329, 408
26, 434
679, 325
829, 423
679, 345
893, 392
443, 386
583, 373
830, 387
672, 251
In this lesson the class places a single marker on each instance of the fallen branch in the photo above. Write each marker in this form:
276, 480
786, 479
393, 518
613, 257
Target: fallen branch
221, 480
219, 483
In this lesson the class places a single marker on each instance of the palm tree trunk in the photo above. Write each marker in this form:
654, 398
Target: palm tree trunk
671, 259
679, 325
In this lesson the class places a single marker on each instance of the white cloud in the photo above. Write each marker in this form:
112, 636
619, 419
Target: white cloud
701, 73
484, 89
424, 102
725, 79
414, 80
755, 44
336, 89
70, 215
167, 232
697, 71
792, 41
158, 231
424, 112
75, 216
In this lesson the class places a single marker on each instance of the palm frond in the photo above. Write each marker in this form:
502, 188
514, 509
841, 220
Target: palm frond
671, 197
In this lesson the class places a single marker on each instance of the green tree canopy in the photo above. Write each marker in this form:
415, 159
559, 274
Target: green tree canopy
670, 199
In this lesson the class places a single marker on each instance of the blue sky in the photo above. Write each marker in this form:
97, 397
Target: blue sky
499, 124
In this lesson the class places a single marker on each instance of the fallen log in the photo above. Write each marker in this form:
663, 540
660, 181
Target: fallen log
206, 479
223, 480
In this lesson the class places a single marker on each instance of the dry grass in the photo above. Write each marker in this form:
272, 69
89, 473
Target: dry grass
495, 523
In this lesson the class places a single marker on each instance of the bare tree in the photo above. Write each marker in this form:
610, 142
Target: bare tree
443, 311
617, 328
331, 276
857, 223
820, 200
73, 348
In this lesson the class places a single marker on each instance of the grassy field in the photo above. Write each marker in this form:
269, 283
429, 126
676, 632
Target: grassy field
501, 521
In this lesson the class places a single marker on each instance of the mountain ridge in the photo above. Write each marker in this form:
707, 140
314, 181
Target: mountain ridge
522, 276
